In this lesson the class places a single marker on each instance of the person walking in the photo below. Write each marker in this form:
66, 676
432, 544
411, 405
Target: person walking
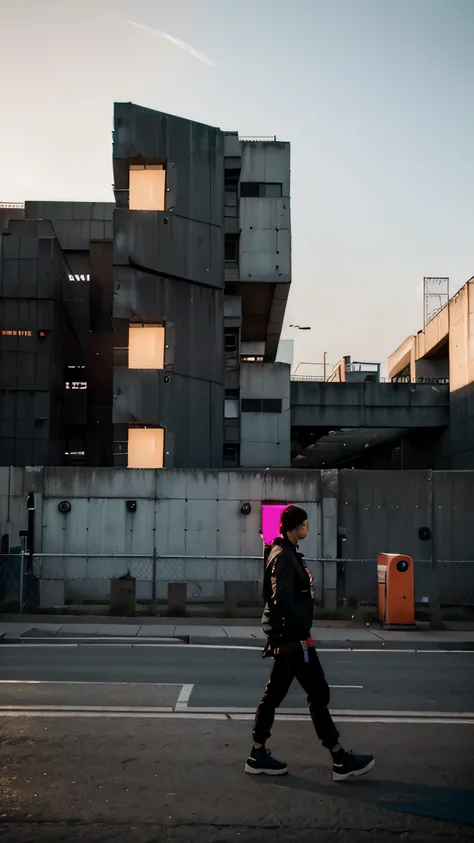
286, 621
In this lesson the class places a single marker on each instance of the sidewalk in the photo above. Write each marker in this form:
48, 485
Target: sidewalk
327, 634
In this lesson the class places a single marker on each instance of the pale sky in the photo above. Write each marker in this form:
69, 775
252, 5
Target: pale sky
376, 97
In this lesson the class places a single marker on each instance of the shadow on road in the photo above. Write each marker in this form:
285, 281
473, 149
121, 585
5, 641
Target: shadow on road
437, 803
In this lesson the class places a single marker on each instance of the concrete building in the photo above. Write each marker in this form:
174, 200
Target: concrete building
349, 371
257, 280
143, 333
441, 356
56, 293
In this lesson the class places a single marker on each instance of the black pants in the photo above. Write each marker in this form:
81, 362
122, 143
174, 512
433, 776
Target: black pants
311, 677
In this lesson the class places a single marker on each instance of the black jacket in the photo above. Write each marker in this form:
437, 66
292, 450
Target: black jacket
288, 594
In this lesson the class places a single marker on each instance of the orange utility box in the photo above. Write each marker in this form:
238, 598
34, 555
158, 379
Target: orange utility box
396, 589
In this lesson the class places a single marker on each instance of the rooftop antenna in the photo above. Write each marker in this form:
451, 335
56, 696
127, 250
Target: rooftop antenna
435, 296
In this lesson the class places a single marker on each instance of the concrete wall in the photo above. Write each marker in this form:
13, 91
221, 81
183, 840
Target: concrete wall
453, 326
266, 162
265, 437
403, 359
192, 152
168, 244
75, 223
432, 368
286, 352
456, 447
181, 513
354, 405
265, 239
265, 250
461, 336
383, 511
185, 514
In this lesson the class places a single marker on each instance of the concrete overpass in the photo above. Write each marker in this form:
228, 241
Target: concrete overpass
368, 405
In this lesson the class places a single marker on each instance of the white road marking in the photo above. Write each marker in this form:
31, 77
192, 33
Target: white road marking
154, 714
441, 721
246, 712
359, 714
98, 642
183, 698
151, 715
105, 709
82, 682
122, 640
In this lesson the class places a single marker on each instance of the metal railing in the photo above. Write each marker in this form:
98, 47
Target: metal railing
306, 378
58, 580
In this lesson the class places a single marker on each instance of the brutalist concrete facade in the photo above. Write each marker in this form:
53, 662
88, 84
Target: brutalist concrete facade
57, 335
257, 282
169, 270
209, 269
33, 333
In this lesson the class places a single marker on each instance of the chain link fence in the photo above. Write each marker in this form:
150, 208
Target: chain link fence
59, 580
357, 582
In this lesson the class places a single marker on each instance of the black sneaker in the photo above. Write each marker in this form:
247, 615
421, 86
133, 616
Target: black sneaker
352, 765
262, 761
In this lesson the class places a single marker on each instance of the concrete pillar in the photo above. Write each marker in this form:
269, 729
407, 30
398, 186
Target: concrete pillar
177, 598
329, 522
242, 593
122, 596
51, 594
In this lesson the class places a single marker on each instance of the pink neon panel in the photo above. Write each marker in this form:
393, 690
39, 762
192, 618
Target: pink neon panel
271, 521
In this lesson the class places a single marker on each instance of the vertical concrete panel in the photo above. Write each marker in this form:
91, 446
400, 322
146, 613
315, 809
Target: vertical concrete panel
382, 511
65, 533
238, 485
454, 514
460, 343
239, 535
140, 525
107, 523
200, 527
171, 485
170, 520
312, 545
201, 485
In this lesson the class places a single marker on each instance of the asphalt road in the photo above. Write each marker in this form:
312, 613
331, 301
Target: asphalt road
381, 681
105, 780
103, 743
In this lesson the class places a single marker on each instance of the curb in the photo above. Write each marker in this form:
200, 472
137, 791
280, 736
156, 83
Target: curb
243, 643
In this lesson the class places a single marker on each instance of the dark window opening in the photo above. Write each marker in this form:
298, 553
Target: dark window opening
271, 405
250, 189
231, 340
231, 456
231, 180
261, 405
251, 405
74, 450
397, 458
260, 190
231, 248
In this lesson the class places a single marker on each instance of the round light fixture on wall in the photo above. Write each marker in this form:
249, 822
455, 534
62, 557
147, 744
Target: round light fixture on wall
424, 534
64, 507
245, 509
